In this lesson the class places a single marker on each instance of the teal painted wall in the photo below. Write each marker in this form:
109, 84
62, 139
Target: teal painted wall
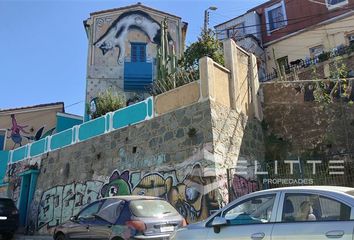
64, 122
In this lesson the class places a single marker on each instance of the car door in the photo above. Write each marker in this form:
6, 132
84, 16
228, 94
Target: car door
105, 219
312, 216
79, 229
251, 218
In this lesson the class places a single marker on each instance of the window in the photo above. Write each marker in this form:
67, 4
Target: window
275, 17
350, 38
90, 210
111, 209
316, 51
138, 52
336, 3
251, 211
311, 207
283, 62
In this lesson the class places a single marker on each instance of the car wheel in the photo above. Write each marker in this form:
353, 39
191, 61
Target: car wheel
60, 236
8, 236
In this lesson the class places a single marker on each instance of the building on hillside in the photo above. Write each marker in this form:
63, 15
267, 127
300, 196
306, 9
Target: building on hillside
123, 45
245, 30
19, 126
296, 33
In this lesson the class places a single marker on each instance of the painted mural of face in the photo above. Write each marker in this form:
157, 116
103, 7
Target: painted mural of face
153, 185
117, 185
118, 32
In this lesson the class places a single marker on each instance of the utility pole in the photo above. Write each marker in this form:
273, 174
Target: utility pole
206, 17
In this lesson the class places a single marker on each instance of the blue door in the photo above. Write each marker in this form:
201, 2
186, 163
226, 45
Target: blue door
28, 186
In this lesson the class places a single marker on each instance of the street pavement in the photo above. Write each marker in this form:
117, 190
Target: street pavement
36, 237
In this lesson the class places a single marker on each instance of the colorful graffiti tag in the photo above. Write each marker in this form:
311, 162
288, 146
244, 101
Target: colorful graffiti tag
187, 194
59, 203
242, 186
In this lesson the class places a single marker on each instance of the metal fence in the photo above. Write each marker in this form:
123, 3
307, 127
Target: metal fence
301, 64
333, 170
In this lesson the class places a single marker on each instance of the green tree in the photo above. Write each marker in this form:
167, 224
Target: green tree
207, 45
107, 101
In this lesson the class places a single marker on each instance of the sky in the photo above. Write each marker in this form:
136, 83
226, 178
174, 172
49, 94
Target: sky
43, 44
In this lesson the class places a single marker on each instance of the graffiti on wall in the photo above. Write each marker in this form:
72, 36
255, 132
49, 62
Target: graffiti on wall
59, 203
17, 131
242, 186
117, 32
188, 194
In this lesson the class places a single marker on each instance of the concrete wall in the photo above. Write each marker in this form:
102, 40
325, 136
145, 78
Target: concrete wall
24, 124
177, 98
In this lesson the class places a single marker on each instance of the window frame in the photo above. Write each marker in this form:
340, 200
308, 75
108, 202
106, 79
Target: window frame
269, 9
140, 44
279, 214
312, 55
272, 217
100, 202
341, 4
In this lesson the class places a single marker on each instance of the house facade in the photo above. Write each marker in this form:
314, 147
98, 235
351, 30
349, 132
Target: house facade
123, 45
296, 32
19, 126
245, 30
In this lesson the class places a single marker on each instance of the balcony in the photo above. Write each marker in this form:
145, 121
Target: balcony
138, 76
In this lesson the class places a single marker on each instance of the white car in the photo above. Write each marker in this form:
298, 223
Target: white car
301, 213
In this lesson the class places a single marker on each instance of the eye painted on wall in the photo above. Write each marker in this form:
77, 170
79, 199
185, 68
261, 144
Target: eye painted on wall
192, 194
141, 192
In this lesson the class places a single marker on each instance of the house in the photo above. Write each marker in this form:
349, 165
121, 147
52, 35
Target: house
245, 30
19, 126
123, 47
298, 32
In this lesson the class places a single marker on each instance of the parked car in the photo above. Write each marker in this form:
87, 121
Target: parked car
313, 213
122, 217
9, 218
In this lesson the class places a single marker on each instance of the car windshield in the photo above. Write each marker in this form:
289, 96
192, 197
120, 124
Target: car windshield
6, 203
151, 208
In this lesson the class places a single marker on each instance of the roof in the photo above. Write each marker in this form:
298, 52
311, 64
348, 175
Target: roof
34, 106
234, 18
133, 6
320, 188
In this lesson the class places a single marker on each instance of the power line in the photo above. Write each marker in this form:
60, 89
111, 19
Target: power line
304, 18
292, 31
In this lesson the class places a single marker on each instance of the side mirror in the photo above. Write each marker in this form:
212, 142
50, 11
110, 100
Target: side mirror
217, 223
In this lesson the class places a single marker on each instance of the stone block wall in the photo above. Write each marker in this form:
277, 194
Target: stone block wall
304, 126
188, 154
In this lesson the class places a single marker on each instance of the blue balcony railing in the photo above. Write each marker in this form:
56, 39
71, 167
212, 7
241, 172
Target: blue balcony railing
138, 76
